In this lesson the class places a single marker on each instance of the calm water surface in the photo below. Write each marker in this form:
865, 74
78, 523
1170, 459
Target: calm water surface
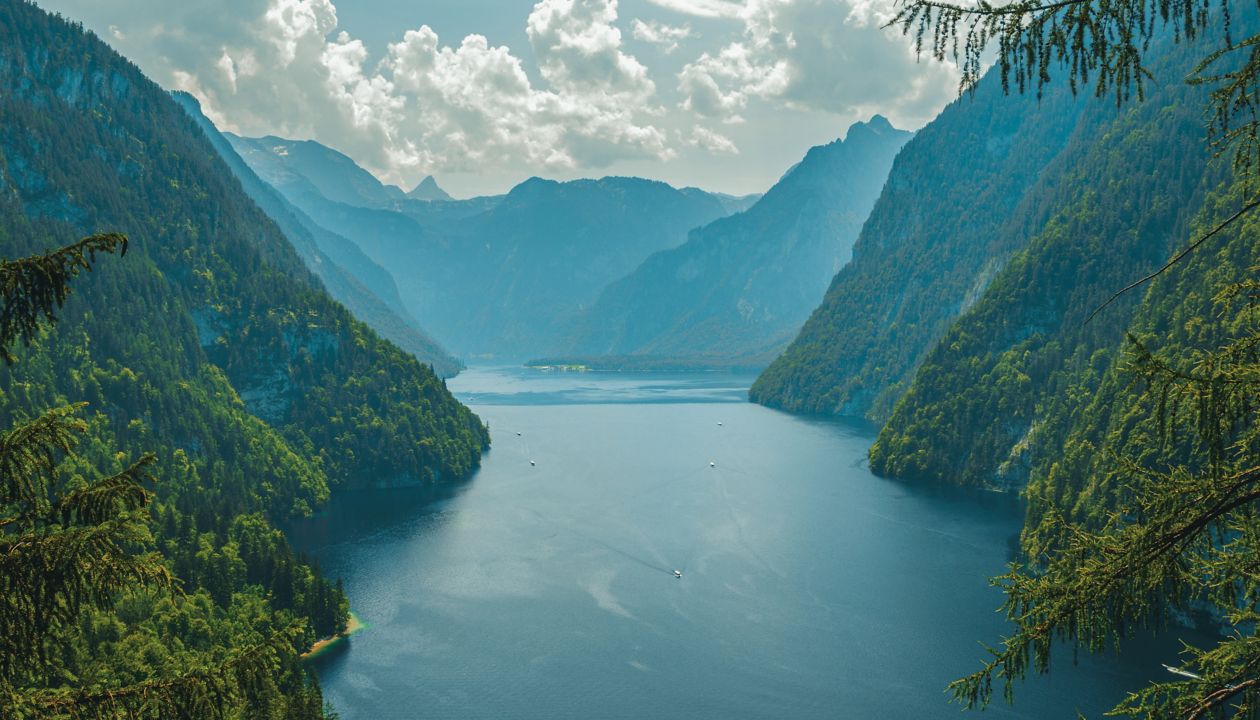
810, 588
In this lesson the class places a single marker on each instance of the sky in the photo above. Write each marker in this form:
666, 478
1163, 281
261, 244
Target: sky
720, 94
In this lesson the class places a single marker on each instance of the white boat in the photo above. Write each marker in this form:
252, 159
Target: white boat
712, 464
719, 424
531, 462
678, 573
1179, 671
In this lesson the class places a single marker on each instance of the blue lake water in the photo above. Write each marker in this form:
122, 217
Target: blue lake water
810, 588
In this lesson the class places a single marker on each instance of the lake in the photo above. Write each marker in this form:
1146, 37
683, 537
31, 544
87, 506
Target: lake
544, 587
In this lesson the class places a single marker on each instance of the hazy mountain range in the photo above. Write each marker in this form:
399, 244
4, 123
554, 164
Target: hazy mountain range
738, 290
630, 270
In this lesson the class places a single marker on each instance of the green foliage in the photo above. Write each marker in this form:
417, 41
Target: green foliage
33, 288
365, 288
72, 546
214, 349
1148, 512
1106, 44
1025, 346
1144, 504
969, 190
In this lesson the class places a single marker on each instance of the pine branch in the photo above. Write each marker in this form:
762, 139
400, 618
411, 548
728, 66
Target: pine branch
29, 453
1103, 582
46, 578
1221, 696
107, 497
33, 288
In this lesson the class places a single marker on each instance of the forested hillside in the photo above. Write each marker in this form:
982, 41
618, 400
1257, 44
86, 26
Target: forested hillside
209, 344
964, 194
739, 288
1108, 411
365, 288
1024, 353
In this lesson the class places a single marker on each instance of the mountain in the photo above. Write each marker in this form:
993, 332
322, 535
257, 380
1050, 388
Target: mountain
365, 288
962, 196
738, 290
1103, 412
502, 276
544, 253
209, 344
332, 173
733, 203
428, 189
1130, 187
961, 323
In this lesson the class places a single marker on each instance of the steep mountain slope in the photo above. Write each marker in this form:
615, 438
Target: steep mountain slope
959, 200
332, 173
1129, 191
740, 287
365, 288
506, 275
209, 344
1106, 412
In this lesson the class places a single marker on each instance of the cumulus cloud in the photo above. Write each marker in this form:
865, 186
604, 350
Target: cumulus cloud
579, 50
703, 8
712, 141
424, 106
721, 85
828, 55
660, 33
283, 67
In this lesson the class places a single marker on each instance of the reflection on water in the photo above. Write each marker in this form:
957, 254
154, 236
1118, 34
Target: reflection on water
545, 588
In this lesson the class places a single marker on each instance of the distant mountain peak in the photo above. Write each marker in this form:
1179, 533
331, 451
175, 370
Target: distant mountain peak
879, 122
428, 189
878, 125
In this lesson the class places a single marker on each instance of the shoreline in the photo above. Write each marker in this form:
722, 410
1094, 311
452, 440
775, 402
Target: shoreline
353, 625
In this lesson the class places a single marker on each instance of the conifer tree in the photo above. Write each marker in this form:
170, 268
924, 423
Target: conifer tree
67, 546
1185, 537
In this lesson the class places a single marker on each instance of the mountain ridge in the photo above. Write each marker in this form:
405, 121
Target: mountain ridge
738, 289
367, 289
449, 258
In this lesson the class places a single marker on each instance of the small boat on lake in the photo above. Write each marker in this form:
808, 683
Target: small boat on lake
678, 573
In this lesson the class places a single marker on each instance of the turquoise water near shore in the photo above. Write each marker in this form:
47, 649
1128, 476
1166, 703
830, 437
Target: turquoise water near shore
810, 588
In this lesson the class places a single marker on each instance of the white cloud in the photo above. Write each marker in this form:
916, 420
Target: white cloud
660, 34
825, 55
703, 8
720, 86
470, 108
712, 141
282, 67
579, 50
